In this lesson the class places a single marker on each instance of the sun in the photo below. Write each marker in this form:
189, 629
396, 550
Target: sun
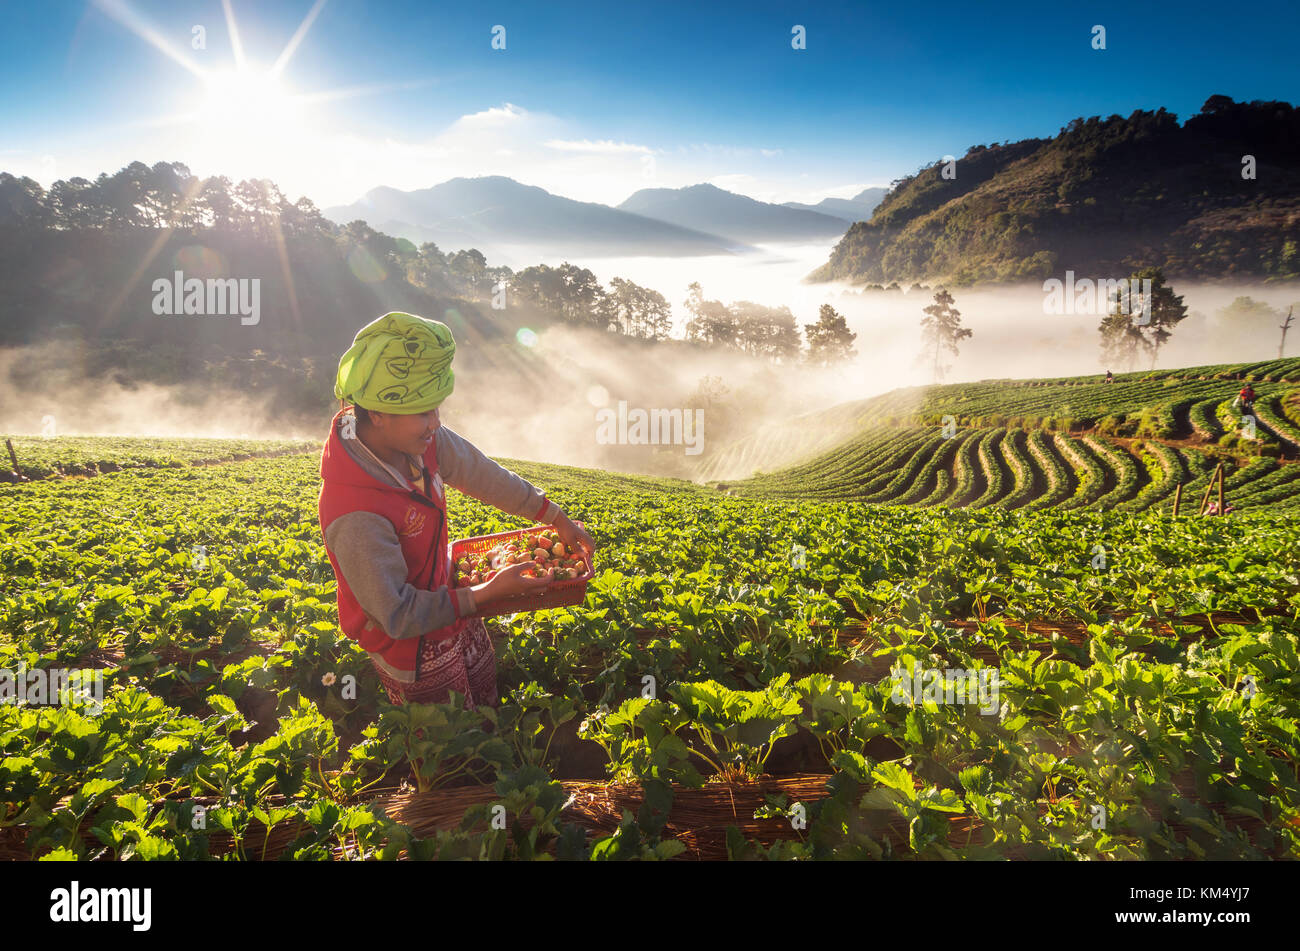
248, 124
246, 98
243, 121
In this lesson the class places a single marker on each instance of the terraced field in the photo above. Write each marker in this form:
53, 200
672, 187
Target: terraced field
1071, 444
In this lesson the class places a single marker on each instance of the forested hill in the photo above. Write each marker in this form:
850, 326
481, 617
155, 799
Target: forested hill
86, 256
278, 291
1103, 197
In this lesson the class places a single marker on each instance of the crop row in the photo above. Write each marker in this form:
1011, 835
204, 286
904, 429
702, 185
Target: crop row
1013, 470
1164, 404
996, 483
1025, 485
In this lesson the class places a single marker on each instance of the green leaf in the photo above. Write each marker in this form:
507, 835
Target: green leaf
61, 854
670, 848
222, 704
895, 777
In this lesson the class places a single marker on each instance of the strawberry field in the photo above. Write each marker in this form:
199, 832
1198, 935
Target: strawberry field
744, 679
42, 457
1066, 444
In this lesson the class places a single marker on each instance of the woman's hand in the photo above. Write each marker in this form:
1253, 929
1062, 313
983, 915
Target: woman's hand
574, 534
510, 581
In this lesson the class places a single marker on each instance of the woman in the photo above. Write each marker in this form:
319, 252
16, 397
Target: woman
383, 515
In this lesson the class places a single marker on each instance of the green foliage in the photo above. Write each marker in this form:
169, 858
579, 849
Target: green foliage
716, 654
439, 741
1015, 211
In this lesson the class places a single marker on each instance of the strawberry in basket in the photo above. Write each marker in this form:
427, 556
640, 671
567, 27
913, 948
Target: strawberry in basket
549, 557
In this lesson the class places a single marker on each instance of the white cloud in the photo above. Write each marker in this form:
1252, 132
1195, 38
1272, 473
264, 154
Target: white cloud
492, 118
604, 147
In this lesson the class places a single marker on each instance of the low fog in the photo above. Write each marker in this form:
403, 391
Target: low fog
44, 390
539, 399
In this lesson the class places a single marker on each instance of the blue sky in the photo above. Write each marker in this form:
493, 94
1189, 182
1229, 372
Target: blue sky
595, 100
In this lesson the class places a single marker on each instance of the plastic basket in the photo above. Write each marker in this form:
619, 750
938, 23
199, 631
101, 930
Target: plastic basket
559, 594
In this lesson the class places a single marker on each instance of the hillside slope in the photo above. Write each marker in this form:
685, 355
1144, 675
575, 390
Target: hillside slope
1062, 444
1104, 197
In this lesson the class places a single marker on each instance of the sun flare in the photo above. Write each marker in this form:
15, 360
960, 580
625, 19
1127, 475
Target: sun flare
249, 124
246, 98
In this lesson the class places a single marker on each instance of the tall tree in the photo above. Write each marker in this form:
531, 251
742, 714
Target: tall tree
618, 308
303, 219
542, 286
1128, 329
656, 315
68, 200
829, 340
166, 193
636, 311
766, 332
712, 321
22, 203
257, 203
941, 331
470, 266
580, 295
217, 203
429, 269
122, 196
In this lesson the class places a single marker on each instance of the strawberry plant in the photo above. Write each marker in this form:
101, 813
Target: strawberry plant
528, 715
643, 742
839, 715
738, 727
440, 741
923, 808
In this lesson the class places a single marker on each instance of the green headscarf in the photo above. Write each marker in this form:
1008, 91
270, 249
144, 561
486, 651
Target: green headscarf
399, 363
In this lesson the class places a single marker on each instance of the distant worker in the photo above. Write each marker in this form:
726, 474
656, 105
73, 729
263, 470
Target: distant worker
1110, 377
1245, 399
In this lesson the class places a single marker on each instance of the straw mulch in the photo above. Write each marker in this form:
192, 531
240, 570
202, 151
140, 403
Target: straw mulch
99, 658
699, 818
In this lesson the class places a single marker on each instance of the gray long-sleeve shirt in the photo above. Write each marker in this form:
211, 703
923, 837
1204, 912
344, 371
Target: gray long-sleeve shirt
370, 556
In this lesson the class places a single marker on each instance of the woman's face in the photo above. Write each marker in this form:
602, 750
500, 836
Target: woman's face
408, 432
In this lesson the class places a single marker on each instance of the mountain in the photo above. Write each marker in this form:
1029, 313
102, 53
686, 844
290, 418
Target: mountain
1102, 198
707, 207
494, 212
857, 208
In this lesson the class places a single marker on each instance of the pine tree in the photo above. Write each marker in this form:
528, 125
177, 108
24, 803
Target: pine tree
829, 340
941, 330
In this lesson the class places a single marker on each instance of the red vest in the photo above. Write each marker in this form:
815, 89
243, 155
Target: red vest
420, 521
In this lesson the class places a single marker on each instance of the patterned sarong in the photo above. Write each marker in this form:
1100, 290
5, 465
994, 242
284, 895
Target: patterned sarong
464, 663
